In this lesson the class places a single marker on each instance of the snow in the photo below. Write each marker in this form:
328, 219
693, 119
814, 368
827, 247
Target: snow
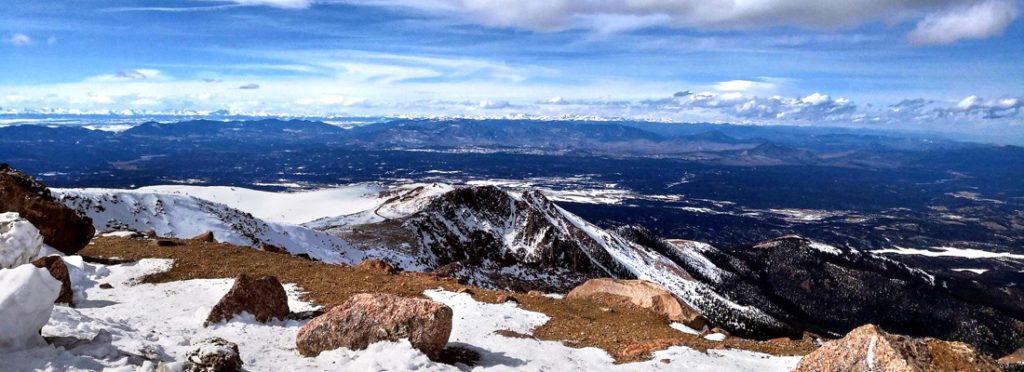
27, 294
976, 271
146, 326
715, 337
20, 242
949, 252
283, 207
684, 328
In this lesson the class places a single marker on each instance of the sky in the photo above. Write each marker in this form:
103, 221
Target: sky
952, 65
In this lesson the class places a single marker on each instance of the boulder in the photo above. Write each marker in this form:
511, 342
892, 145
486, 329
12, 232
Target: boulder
639, 293
367, 318
264, 298
61, 227
869, 348
20, 242
206, 237
377, 265
213, 355
27, 294
59, 270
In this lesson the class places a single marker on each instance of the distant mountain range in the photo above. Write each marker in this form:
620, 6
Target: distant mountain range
723, 144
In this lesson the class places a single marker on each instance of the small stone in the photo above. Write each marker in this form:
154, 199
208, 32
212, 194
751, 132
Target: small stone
505, 297
206, 237
106, 286
213, 355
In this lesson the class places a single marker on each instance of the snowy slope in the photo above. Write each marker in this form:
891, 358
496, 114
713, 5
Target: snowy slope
284, 207
148, 326
185, 216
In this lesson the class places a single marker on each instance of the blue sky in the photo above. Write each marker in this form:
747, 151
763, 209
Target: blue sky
923, 63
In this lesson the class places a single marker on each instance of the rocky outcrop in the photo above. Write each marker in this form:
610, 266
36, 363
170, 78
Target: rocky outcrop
264, 298
20, 242
640, 293
61, 227
59, 270
868, 348
371, 317
213, 355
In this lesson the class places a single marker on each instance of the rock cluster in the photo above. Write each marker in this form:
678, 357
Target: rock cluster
367, 318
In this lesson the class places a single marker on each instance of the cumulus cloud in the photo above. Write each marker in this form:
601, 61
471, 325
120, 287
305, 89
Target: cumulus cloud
488, 104
18, 40
978, 21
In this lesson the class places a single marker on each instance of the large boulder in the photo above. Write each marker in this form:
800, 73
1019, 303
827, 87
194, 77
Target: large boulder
371, 317
20, 242
59, 270
868, 348
61, 227
264, 298
27, 294
1013, 362
213, 355
639, 293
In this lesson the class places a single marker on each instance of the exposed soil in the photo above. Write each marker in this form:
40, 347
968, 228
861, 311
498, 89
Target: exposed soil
627, 333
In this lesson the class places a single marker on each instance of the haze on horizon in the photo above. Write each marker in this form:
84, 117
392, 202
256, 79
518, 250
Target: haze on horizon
946, 65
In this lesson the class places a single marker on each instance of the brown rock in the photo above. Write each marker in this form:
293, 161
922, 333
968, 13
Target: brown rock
666, 361
56, 266
505, 297
273, 249
371, 317
264, 298
377, 265
213, 355
465, 290
61, 227
106, 286
868, 348
206, 237
644, 349
639, 293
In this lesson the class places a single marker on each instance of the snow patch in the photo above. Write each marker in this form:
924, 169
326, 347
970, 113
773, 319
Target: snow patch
20, 241
27, 294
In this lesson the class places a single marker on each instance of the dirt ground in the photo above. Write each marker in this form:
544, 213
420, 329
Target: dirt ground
627, 333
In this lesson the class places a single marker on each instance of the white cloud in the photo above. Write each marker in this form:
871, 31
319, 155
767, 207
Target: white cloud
283, 4
19, 40
130, 75
944, 19
249, 86
488, 104
978, 21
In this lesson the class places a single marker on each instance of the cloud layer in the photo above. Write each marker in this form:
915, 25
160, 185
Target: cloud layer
944, 21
